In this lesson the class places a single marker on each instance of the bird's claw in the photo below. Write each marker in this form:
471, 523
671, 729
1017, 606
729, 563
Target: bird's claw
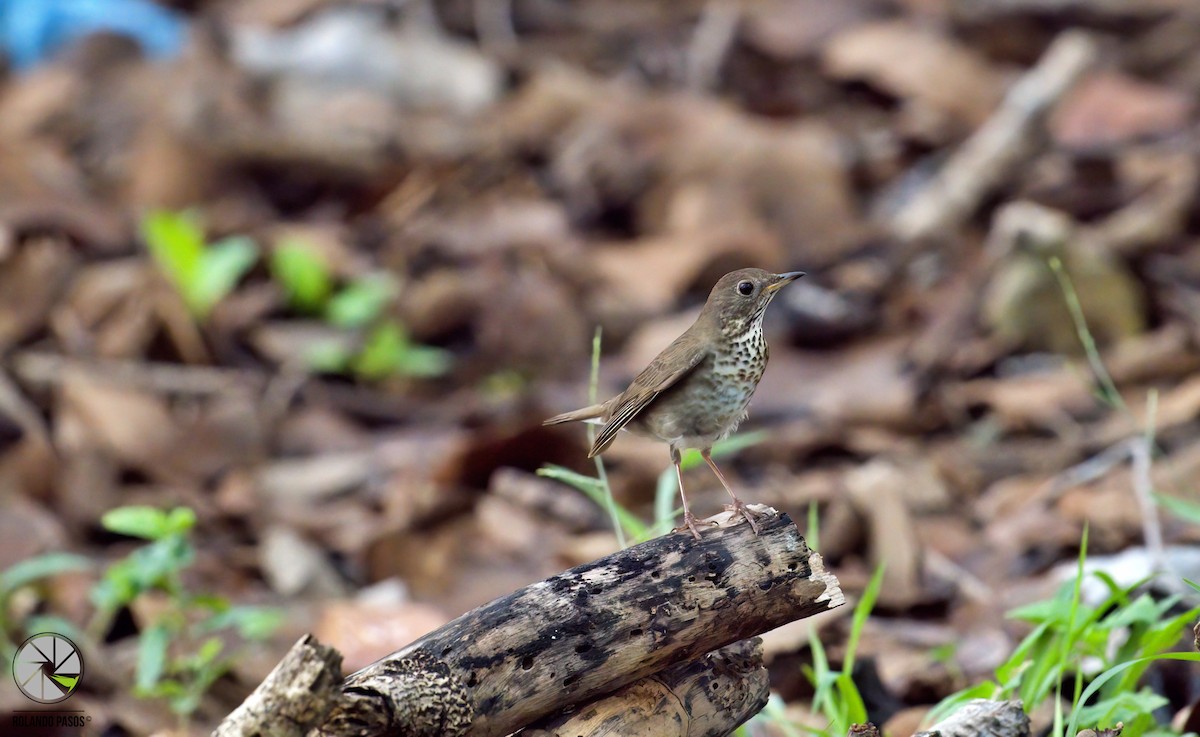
739, 507
689, 523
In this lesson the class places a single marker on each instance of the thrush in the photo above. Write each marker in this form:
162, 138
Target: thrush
695, 392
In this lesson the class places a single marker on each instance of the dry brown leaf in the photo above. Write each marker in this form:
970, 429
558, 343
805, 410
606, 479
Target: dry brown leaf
918, 64
135, 427
1108, 108
892, 537
29, 283
364, 631
795, 29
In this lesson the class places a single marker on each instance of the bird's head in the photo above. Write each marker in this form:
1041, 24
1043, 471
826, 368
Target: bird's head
738, 300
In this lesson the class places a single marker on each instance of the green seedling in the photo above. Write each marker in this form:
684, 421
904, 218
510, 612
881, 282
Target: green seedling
386, 348
1108, 647
182, 652
203, 273
303, 274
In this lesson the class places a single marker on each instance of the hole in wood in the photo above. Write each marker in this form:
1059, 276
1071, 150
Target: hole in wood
791, 566
635, 633
766, 585
691, 579
582, 647
570, 680
473, 680
527, 662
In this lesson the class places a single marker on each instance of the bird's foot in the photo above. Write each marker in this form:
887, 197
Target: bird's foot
739, 507
689, 523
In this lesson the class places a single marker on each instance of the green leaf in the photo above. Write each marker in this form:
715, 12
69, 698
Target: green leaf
361, 302
54, 623
206, 655
303, 274
251, 623
329, 356
117, 588
176, 242
388, 351
862, 610
586, 484
382, 352
594, 489
223, 266
423, 361
180, 520
152, 656
1099, 681
43, 566
148, 523
955, 701
1185, 509
691, 458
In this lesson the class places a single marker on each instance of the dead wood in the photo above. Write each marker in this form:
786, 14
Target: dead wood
709, 697
298, 694
589, 631
989, 156
983, 718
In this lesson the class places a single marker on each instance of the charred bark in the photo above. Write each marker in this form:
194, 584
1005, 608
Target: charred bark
709, 697
589, 631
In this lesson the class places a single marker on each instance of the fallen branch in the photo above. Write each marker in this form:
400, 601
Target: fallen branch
590, 631
296, 696
989, 156
709, 696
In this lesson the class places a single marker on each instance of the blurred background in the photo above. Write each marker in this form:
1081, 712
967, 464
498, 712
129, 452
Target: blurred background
291, 285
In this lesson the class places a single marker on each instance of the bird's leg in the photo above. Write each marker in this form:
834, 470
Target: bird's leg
738, 505
689, 521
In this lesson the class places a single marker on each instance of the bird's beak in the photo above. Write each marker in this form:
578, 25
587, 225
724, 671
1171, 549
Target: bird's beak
782, 280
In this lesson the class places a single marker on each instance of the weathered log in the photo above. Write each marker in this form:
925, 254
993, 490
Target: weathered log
294, 697
983, 718
709, 697
589, 631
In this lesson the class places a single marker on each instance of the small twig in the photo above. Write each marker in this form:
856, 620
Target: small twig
50, 369
710, 43
989, 156
1142, 450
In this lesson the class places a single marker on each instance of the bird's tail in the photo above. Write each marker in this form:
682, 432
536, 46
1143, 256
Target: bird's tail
587, 413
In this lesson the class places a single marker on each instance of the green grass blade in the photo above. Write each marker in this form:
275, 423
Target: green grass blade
1099, 681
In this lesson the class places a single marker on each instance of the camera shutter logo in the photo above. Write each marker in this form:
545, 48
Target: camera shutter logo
47, 668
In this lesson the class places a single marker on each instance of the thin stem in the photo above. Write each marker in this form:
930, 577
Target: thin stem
1107, 386
610, 504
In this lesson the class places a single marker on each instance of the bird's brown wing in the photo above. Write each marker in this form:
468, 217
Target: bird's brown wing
675, 362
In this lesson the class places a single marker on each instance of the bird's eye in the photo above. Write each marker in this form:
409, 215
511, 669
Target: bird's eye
745, 288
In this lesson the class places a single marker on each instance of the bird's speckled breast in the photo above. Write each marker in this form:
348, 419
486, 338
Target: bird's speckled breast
707, 406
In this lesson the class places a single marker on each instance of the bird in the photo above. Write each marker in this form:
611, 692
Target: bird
695, 392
